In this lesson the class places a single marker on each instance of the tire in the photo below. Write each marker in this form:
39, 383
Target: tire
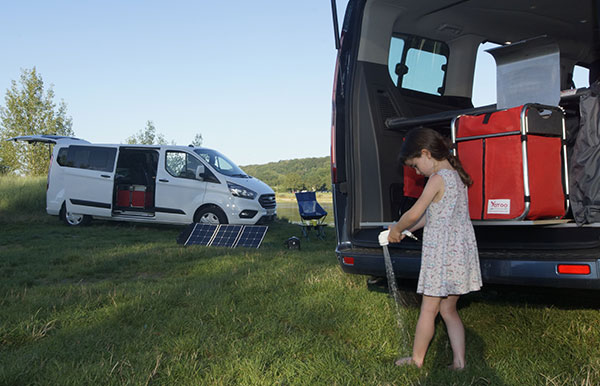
72, 219
210, 215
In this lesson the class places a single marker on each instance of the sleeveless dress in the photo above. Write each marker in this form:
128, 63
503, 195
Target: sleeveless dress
449, 258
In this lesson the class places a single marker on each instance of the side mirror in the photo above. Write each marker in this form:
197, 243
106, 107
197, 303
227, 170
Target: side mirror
200, 172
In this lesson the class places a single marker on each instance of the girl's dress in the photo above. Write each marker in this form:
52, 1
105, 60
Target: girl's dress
449, 258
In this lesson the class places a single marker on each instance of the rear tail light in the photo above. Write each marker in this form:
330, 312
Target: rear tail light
574, 269
348, 260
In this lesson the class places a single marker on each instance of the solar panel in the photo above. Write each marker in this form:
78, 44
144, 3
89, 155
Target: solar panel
249, 236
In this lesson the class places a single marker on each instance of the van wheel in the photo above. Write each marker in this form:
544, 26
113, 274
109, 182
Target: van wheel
210, 215
73, 219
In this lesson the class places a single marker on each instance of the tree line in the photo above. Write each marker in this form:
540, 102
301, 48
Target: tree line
294, 175
30, 109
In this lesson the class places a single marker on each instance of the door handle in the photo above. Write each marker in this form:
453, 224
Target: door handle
163, 180
104, 175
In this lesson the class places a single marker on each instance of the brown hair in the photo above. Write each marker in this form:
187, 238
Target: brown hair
439, 147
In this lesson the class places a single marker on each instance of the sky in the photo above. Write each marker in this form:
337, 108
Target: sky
254, 78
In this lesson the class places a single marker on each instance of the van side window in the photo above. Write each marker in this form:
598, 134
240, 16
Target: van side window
88, 157
418, 64
62, 156
181, 164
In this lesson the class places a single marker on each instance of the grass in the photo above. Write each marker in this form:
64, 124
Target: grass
123, 304
322, 197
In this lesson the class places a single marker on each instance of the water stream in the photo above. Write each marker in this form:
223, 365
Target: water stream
400, 302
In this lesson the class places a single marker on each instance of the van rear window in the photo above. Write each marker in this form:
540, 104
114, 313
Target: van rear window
88, 157
418, 64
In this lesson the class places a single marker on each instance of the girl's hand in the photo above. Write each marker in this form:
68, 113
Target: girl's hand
395, 235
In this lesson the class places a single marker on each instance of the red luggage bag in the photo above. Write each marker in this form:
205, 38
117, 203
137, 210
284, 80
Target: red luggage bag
517, 160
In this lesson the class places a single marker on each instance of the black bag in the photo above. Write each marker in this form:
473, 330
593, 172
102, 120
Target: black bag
584, 168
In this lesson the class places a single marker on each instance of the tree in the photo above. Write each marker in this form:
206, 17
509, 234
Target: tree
147, 136
197, 142
30, 111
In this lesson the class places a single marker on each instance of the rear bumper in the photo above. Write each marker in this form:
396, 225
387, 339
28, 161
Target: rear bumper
512, 271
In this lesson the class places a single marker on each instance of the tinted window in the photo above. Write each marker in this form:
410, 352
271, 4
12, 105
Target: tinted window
88, 157
418, 64
62, 156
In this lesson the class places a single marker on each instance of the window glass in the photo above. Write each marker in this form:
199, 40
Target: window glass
484, 79
62, 156
221, 163
581, 77
181, 164
395, 57
418, 64
88, 157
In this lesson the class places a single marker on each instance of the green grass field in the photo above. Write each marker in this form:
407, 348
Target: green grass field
123, 304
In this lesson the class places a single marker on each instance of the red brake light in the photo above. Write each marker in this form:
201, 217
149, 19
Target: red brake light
574, 269
348, 260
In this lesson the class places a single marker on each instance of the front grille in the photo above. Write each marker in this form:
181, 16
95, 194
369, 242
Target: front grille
267, 201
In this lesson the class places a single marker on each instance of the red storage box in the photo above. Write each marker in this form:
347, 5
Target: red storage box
134, 196
123, 196
138, 196
517, 160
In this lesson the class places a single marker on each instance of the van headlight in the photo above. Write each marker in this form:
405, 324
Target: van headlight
240, 191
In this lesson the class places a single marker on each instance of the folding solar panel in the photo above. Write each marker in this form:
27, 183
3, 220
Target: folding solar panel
231, 236
251, 237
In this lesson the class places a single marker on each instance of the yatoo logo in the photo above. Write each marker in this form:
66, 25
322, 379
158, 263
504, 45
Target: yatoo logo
498, 206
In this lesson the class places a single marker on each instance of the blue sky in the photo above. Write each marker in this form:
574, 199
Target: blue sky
253, 77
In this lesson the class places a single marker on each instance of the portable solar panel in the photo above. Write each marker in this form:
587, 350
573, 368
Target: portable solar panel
231, 236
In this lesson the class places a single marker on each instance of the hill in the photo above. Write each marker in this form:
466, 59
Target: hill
295, 174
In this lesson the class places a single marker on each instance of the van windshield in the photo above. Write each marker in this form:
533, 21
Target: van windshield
221, 163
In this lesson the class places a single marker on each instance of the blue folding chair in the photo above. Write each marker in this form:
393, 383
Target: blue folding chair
312, 214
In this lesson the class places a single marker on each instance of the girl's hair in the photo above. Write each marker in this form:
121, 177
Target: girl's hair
439, 147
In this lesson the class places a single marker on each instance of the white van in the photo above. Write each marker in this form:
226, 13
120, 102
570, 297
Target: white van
147, 183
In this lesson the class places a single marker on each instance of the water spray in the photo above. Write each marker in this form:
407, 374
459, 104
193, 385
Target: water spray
399, 301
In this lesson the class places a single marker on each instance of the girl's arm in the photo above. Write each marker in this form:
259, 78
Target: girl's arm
419, 224
414, 218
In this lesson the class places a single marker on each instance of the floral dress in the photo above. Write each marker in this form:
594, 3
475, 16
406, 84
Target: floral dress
449, 258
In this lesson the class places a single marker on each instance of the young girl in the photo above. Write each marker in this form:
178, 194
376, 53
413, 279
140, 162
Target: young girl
449, 259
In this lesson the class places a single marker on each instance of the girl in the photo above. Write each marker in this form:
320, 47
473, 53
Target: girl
449, 259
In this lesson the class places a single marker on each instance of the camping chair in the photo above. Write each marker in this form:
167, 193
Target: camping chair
312, 214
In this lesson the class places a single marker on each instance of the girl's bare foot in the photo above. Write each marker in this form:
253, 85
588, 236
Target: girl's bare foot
456, 367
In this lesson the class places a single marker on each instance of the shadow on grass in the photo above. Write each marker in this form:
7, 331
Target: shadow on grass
440, 346
475, 359
521, 296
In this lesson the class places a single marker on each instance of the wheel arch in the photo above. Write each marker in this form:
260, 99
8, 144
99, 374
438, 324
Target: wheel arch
209, 206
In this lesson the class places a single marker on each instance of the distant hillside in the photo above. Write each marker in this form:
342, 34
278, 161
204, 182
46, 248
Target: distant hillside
295, 174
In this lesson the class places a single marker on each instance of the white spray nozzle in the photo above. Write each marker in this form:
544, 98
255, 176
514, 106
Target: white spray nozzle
383, 237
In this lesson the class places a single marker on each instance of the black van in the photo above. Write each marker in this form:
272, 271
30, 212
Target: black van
403, 64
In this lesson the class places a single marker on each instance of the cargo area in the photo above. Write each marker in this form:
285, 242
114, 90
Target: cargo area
135, 181
404, 65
